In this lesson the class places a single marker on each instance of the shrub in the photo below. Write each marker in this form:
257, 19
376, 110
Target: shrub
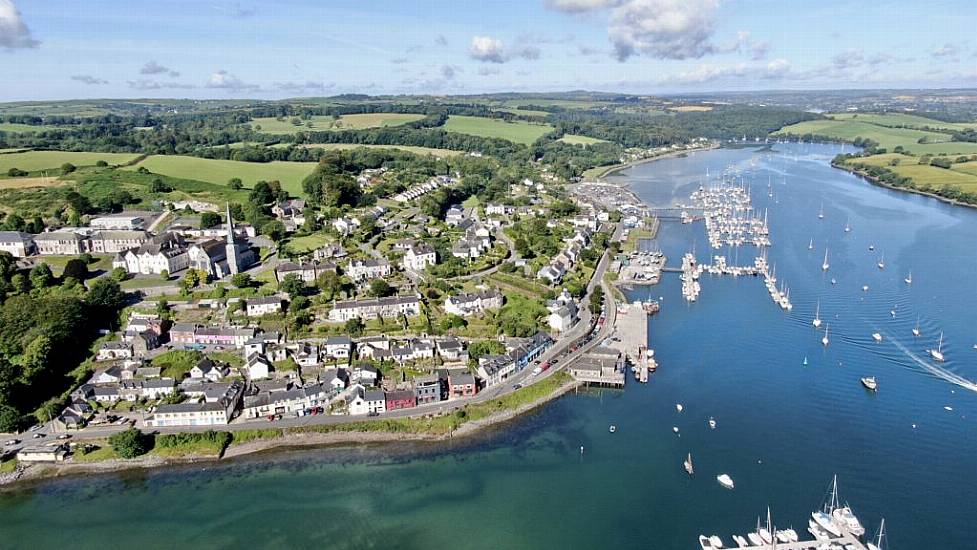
130, 443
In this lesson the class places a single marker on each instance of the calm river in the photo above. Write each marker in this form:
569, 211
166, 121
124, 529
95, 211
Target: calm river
783, 428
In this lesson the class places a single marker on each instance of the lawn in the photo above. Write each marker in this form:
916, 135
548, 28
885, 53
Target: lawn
56, 263
962, 176
24, 183
409, 148
219, 172
887, 138
517, 131
35, 161
307, 243
523, 112
893, 120
24, 128
320, 123
574, 139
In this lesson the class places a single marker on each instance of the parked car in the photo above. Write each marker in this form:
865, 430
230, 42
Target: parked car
517, 386
64, 436
38, 435
11, 442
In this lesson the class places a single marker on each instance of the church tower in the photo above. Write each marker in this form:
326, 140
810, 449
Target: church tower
231, 249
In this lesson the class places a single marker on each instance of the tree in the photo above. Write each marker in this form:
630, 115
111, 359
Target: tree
209, 219
158, 186
235, 183
130, 443
241, 280
595, 299
41, 276
20, 283
16, 173
331, 284
261, 193
190, 280
163, 308
354, 326
292, 285
75, 269
380, 288
119, 274
106, 298
101, 164
165, 274
275, 230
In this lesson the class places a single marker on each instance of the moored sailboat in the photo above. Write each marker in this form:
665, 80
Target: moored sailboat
817, 316
938, 352
824, 340
688, 465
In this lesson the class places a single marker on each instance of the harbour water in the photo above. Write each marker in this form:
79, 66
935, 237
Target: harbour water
783, 428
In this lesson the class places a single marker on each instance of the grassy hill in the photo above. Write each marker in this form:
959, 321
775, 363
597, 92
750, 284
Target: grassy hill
889, 131
516, 131
36, 161
319, 123
219, 172
580, 140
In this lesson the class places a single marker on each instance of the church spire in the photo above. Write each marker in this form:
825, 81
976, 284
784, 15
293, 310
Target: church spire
230, 224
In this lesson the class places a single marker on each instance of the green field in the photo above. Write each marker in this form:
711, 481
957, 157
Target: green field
347, 146
219, 172
962, 176
573, 139
35, 161
522, 112
517, 131
24, 128
906, 120
320, 123
888, 138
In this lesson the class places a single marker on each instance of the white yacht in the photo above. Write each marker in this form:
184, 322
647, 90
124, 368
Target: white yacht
864, 288
909, 278
688, 465
817, 316
741, 541
825, 265
755, 539
712, 423
678, 407
810, 245
725, 481
881, 263
675, 429
877, 544
938, 352
876, 336
916, 328
825, 522
821, 212
846, 518
870, 383
791, 535
824, 340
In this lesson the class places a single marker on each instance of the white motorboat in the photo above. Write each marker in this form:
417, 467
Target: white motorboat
825, 522
678, 407
821, 212
909, 278
845, 517
705, 543
871, 247
870, 383
847, 226
716, 541
725, 481
791, 535
712, 423
782, 536
817, 316
864, 288
825, 265
876, 336
938, 352
675, 429
881, 263
834, 281
755, 539
810, 245
824, 340
612, 429
916, 328
688, 465
741, 541
816, 530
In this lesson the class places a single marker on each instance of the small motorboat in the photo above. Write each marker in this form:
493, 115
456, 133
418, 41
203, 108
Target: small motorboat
725, 481
870, 383
833, 281
612, 429
876, 336
712, 423
755, 539
741, 541
948, 408
708, 543
791, 535
864, 288
871, 247
675, 429
678, 407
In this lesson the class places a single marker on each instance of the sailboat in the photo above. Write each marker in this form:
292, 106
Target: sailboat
712, 423
825, 265
817, 316
824, 340
916, 328
688, 465
909, 278
938, 352
881, 263
810, 245
821, 212
847, 226
877, 545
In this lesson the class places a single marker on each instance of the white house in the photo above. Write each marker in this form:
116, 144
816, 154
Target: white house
391, 307
338, 347
207, 369
119, 221
367, 402
264, 306
362, 270
215, 413
59, 242
257, 367
17, 243
471, 304
419, 255
161, 253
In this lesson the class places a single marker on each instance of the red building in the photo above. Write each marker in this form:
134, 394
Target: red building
400, 399
461, 385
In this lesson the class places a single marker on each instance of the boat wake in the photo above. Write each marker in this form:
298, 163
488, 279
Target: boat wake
940, 372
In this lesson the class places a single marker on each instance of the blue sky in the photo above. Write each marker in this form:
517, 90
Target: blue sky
59, 49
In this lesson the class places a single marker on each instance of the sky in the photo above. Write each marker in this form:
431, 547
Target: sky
66, 49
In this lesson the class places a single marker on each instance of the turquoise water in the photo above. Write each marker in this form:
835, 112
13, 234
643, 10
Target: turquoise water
783, 429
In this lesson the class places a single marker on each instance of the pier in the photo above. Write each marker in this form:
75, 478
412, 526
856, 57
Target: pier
630, 337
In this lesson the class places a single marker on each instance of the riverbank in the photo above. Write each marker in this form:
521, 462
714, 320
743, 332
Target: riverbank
878, 181
618, 167
466, 422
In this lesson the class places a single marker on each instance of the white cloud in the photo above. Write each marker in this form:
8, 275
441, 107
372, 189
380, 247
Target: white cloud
488, 49
666, 29
152, 67
227, 81
14, 33
150, 84
88, 79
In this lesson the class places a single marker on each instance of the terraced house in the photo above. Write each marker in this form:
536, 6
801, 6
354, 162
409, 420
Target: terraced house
393, 306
